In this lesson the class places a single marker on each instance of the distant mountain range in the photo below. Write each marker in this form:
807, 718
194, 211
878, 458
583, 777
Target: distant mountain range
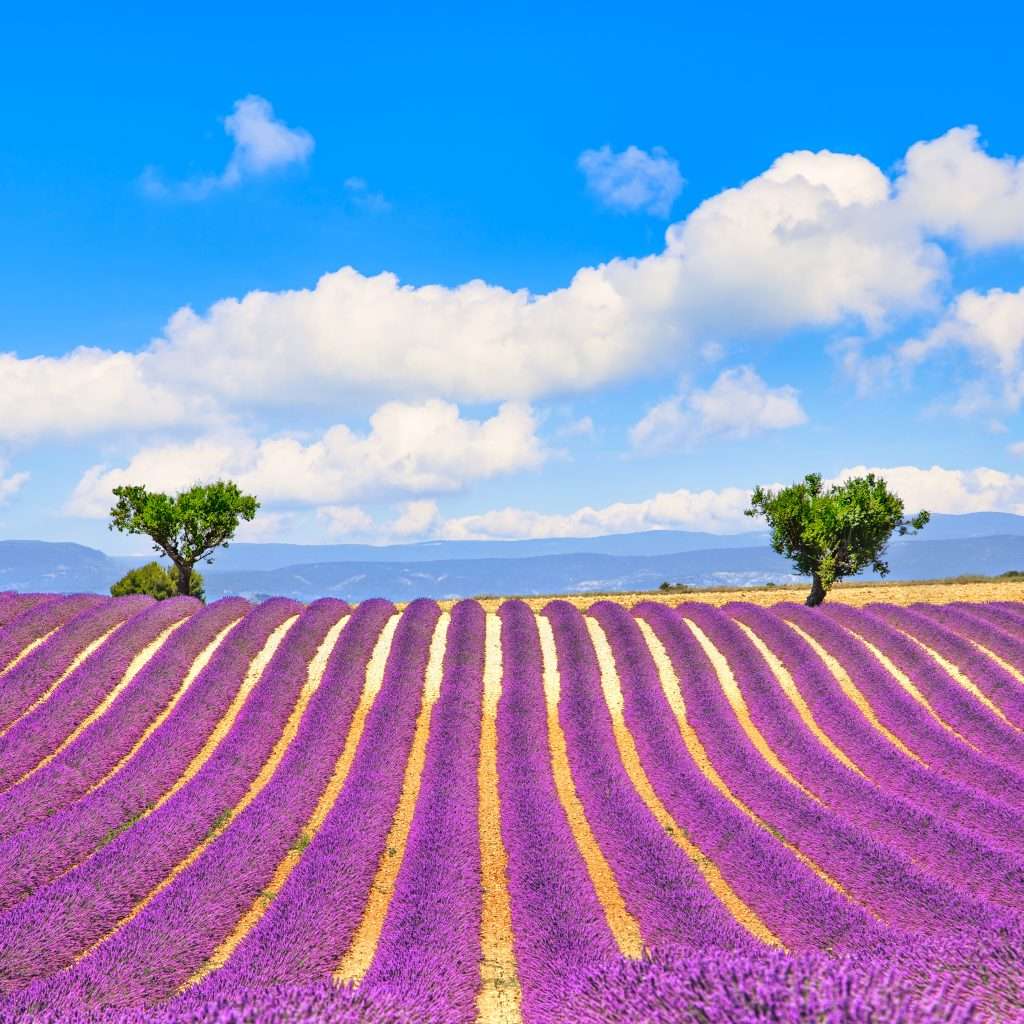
980, 542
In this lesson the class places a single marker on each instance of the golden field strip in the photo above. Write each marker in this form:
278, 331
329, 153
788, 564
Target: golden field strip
856, 594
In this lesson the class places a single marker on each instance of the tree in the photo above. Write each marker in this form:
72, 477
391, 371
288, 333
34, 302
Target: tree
836, 532
153, 579
187, 527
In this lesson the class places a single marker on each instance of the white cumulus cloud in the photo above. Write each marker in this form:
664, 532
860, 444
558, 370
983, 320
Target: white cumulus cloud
366, 198
936, 488
427, 448
416, 519
990, 327
10, 485
344, 520
262, 143
737, 405
87, 391
939, 489
951, 186
716, 511
818, 241
633, 179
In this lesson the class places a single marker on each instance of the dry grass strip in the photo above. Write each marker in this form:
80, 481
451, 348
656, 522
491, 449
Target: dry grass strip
612, 690
955, 672
253, 674
359, 956
623, 925
291, 727
1001, 662
789, 688
28, 650
857, 594
138, 663
849, 688
197, 666
907, 684
499, 998
78, 661
731, 689
372, 683
674, 696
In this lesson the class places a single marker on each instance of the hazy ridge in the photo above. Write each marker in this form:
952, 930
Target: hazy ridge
980, 542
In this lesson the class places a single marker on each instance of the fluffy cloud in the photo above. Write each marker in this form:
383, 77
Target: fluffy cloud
632, 179
736, 406
949, 490
868, 373
262, 143
950, 186
410, 449
10, 485
267, 526
344, 520
417, 519
362, 196
582, 427
815, 240
990, 326
718, 511
819, 240
937, 489
87, 391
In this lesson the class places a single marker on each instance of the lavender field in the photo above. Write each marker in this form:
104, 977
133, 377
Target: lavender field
289, 813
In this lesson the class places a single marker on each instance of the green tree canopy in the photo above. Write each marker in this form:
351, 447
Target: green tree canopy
153, 579
833, 533
187, 527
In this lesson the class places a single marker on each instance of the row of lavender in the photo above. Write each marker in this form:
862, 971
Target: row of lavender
129, 857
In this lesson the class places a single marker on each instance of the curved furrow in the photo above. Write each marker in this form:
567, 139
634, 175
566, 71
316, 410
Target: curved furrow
629, 756
28, 630
982, 676
793, 902
902, 715
169, 758
31, 682
1006, 647
950, 702
885, 882
814, 673
940, 849
362, 949
106, 744
150, 956
1008, 615
428, 951
89, 692
670, 659
660, 884
13, 604
623, 924
559, 923
345, 687
309, 924
500, 996
31, 624
62, 921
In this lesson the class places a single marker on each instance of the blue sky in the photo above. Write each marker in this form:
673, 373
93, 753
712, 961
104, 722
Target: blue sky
634, 264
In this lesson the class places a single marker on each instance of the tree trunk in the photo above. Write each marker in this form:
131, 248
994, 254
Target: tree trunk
817, 594
184, 580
